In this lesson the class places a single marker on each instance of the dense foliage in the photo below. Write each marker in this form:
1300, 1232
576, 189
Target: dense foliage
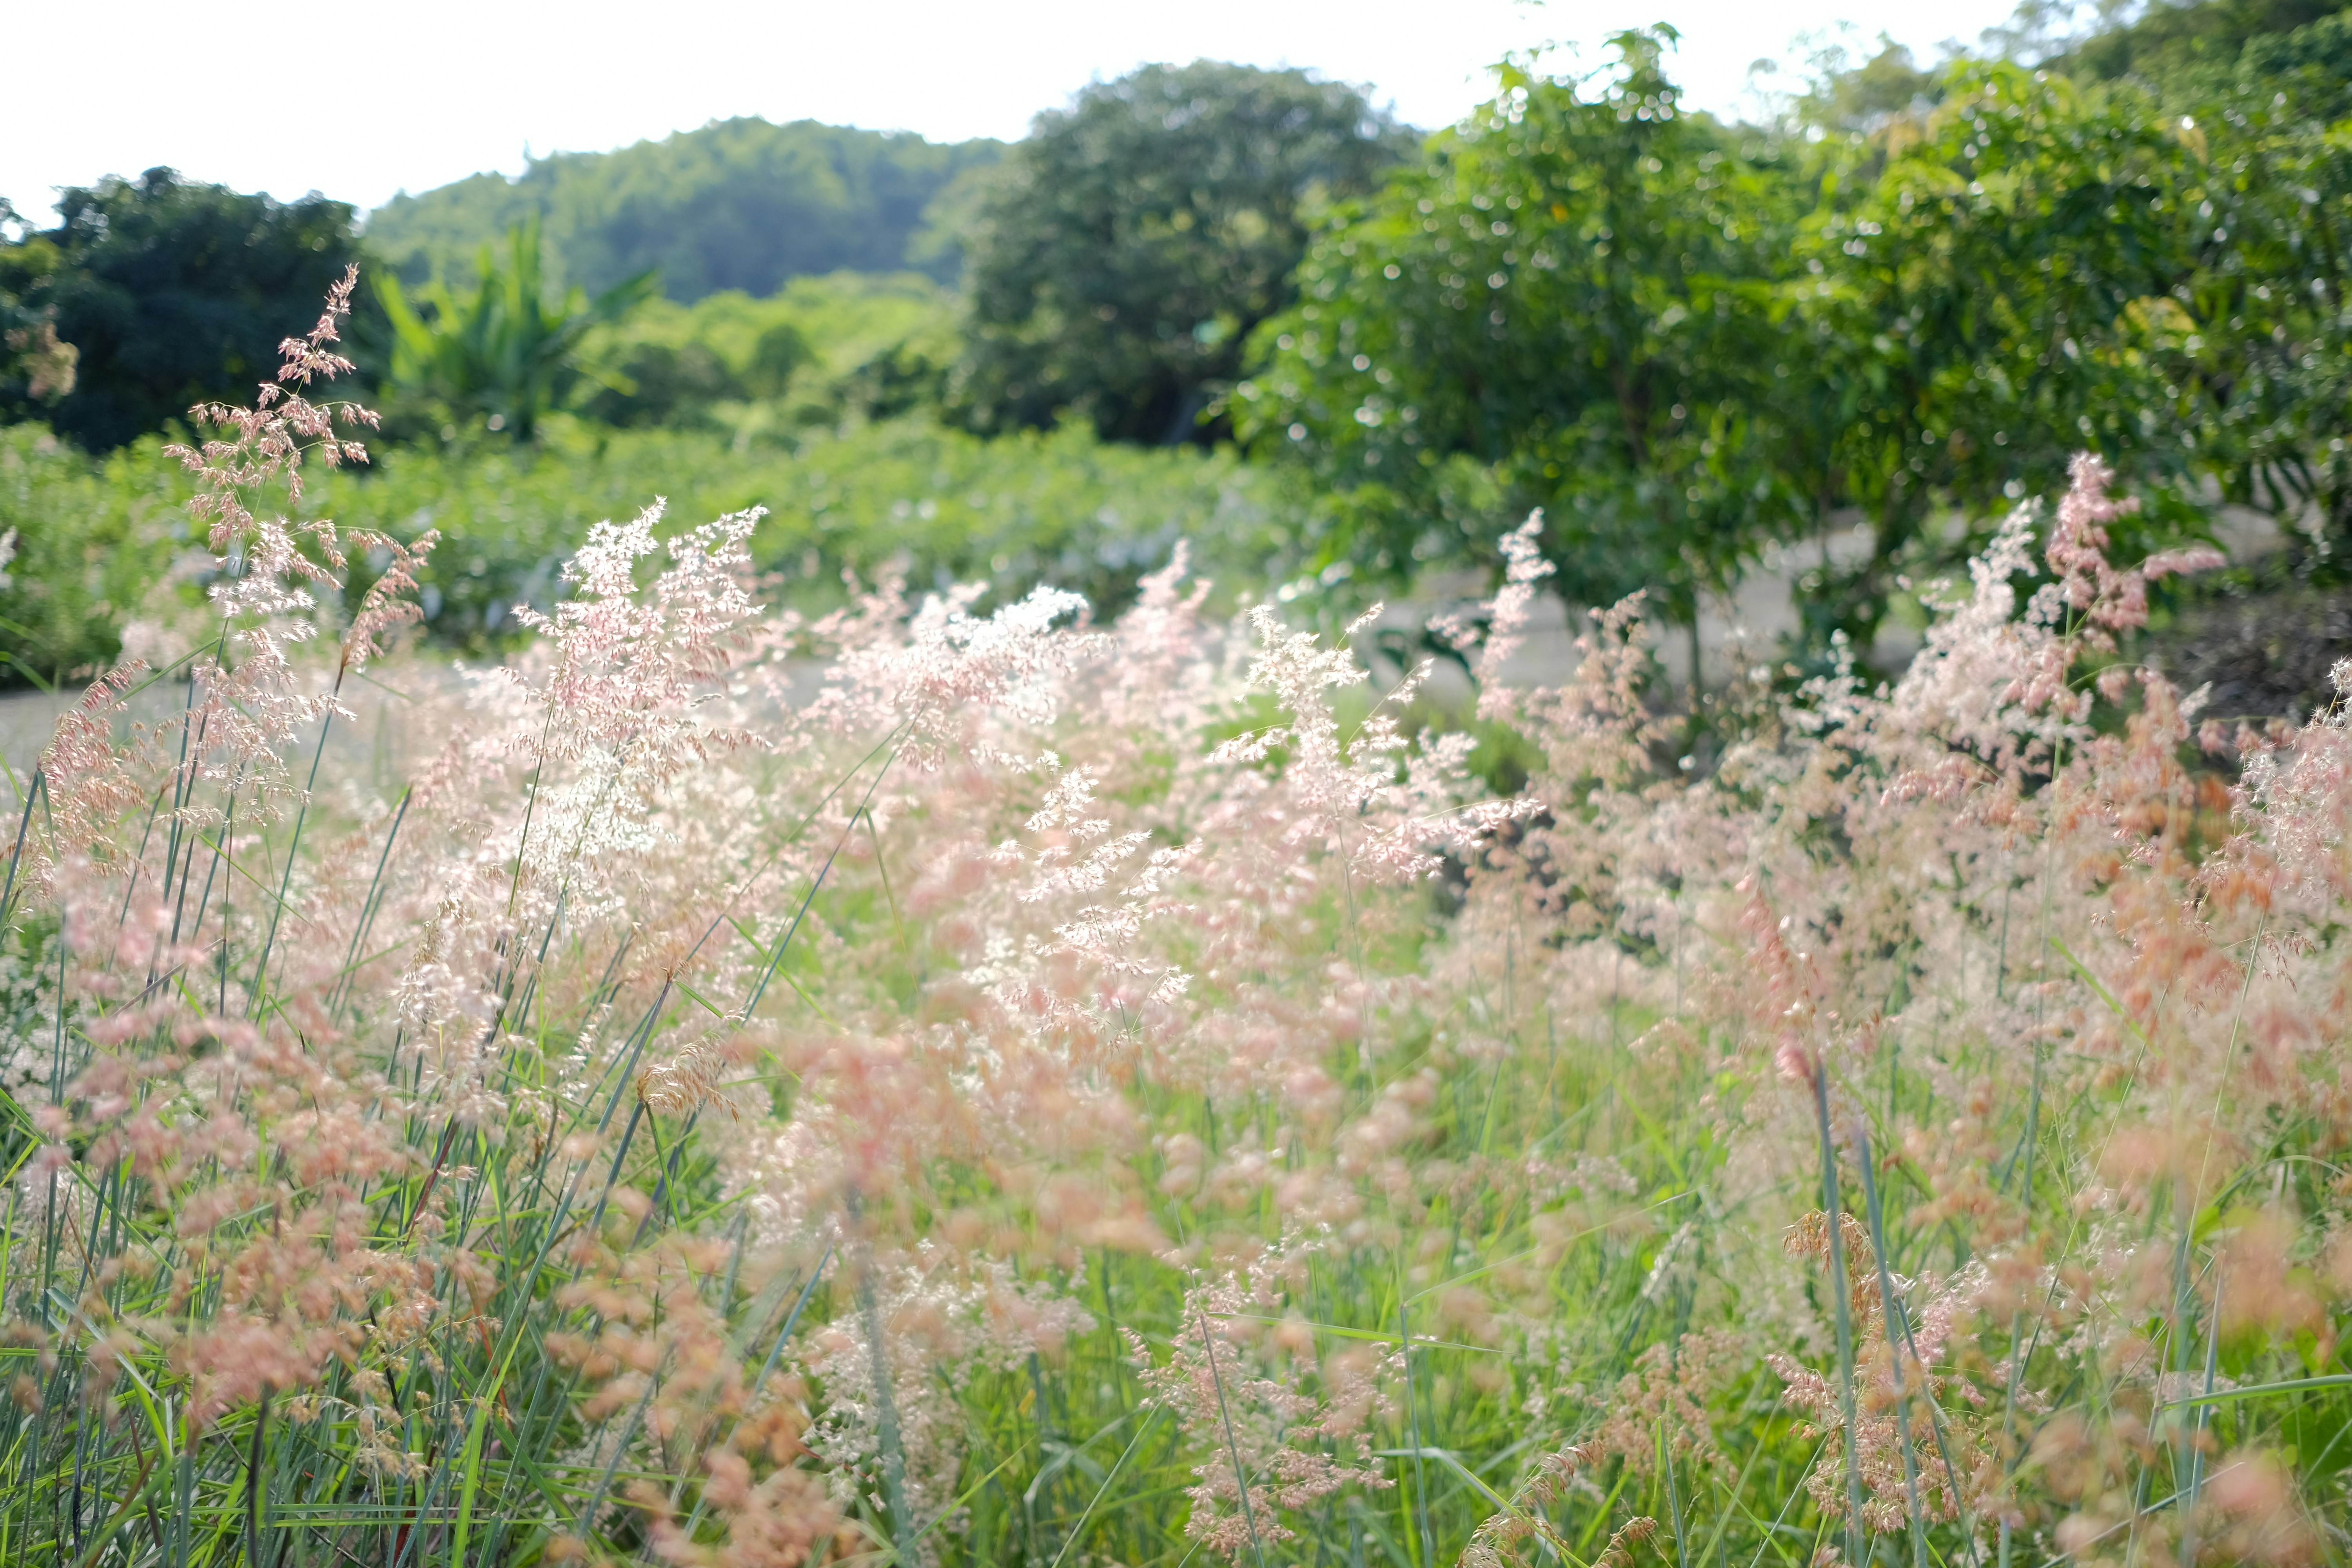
2167, 41
2265, 332
1576, 292
170, 291
1687, 344
815, 1044
739, 204
1693, 346
1132, 242
36, 367
847, 346
502, 353
91, 538
98, 539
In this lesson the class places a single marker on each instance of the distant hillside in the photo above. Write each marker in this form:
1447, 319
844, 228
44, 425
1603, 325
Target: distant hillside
740, 204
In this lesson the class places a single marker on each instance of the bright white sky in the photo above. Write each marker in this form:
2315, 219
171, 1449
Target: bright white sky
361, 101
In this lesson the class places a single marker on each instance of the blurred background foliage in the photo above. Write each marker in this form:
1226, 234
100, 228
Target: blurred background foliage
819, 351
502, 351
1848, 336
739, 204
906, 494
1892, 315
1131, 244
171, 292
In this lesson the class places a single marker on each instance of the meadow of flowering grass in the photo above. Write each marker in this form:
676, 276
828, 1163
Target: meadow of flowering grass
922, 1086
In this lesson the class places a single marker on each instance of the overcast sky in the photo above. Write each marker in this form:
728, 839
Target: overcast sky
361, 101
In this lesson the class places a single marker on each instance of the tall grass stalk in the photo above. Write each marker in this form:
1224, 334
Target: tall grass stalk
1840, 1295
1891, 1305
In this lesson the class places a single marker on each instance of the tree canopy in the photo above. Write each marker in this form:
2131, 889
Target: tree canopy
739, 204
1572, 290
1129, 245
1687, 341
2167, 38
169, 292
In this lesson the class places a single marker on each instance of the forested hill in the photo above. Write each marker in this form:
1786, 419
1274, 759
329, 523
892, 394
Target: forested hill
740, 204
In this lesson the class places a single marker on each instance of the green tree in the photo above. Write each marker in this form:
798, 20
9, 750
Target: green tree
1134, 241
778, 351
36, 367
1574, 293
501, 354
2164, 202
2261, 350
171, 292
2157, 41
1980, 305
1685, 343
1888, 85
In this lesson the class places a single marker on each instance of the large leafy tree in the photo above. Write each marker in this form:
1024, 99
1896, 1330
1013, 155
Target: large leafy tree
1575, 293
171, 292
1132, 243
2260, 351
2152, 259
1685, 342
2172, 37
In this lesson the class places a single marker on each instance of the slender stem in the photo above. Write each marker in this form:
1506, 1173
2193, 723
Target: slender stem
1233, 1447
1833, 1214
252, 1481
1890, 1307
285, 882
886, 1405
1412, 1430
2194, 1439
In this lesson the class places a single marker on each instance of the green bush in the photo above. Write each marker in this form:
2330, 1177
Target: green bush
819, 351
91, 537
1059, 507
505, 351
